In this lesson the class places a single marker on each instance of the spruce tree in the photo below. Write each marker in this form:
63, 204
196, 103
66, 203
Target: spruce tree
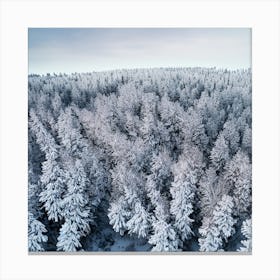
36, 234
238, 176
53, 177
216, 230
186, 173
139, 223
164, 237
76, 211
246, 230
118, 215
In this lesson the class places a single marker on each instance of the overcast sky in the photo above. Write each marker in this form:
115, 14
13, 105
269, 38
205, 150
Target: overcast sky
69, 50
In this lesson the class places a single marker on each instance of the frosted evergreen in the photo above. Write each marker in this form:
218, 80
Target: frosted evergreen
36, 234
219, 227
246, 230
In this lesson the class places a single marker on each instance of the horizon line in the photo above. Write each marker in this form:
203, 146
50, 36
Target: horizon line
140, 68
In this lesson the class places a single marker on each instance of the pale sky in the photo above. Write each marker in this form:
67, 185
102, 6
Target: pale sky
69, 50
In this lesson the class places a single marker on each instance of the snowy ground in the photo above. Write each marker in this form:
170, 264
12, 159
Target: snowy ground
127, 243
108, 240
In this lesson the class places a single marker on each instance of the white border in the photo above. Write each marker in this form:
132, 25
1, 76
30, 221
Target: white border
17, 16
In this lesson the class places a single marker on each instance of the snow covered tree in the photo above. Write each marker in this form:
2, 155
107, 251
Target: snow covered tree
182, 208
69, 237
163, 235
54, 181
220, 153
75, 210
126, 193
140, 221
43, 137
57, 105
148, 129
36, 234
99, 183
34, 190
211, 239
186, 175
231, 135
126, 181
212, 114
118, 215
53, 177
246, 230
159, 181
211, 188
238, 176
222, 217
172, 117
194, 129
69, 133
219, 227
247, 140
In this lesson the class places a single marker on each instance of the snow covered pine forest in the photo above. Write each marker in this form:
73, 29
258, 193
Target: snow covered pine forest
140, 160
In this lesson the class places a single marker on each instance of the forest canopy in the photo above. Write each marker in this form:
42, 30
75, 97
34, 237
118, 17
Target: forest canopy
159, 158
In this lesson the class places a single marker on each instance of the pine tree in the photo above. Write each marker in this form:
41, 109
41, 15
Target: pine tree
220, 153
219, 227
53, 177
126, 180
69, 237
182, 208
36, 234
34, 190
164, 237
222, 217
69, 133
231, 135
238, 176
210, 192
247, 140
246, 230
148, 128
140, 221
126, 192
194, 130
98, 178
172, 117
186, 175
76, 211
118, 215
54, 182
159, 181
211, 239
43, 138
